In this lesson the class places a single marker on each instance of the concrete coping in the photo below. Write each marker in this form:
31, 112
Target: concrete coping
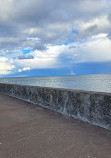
62, 89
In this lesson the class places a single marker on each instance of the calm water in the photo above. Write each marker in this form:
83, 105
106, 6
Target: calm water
99, 82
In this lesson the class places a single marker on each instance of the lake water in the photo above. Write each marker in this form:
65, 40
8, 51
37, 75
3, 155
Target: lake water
98, 82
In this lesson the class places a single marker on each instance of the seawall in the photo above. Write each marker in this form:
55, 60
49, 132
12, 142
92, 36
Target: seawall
92, 107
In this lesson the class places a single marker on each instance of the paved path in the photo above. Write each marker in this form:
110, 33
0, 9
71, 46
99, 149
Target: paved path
28, 131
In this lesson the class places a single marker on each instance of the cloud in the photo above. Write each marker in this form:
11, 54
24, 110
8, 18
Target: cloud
49, 21
24, 69
95, 49
42, 59
94, 26
28, 56
6, 66
41, 26
40, 46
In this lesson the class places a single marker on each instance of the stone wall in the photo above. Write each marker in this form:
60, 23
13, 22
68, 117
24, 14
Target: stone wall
93, 107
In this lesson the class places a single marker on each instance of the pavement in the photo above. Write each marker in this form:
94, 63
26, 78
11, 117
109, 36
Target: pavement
29, 131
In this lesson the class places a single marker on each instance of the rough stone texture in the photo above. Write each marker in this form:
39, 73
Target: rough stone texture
93, 107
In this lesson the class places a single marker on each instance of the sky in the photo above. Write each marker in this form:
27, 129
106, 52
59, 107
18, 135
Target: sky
54, 37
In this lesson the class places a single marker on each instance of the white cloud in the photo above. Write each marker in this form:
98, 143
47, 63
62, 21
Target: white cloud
24, 69
95, 49
93, 26
43, 59
6, 66
39, 26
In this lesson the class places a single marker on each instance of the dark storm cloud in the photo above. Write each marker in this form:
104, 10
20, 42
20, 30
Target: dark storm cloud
28, 56
50, 20
92, 30
40, 47
42, 12
8, 29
